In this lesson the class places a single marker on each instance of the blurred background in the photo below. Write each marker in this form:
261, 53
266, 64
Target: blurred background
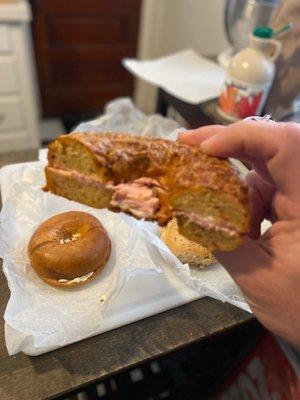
60, 60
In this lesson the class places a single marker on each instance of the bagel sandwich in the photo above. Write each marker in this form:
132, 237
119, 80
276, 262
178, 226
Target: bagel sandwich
155, 179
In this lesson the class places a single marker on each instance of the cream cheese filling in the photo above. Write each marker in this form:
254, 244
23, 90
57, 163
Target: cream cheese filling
209, 223
139, 197
77, 280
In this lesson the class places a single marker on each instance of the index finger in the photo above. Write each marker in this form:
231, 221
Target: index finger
245, 140
251, 140
273, 145
196, 136
231, 145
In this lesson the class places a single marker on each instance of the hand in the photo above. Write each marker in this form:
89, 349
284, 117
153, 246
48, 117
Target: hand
266, 267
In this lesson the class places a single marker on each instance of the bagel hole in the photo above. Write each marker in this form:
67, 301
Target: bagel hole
69, 239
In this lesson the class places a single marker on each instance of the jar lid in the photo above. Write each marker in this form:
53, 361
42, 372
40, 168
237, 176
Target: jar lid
263, 32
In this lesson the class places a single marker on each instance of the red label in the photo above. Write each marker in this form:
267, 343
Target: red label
265, 375
242, 102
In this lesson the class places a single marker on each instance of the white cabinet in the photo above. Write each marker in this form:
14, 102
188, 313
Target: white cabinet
18, 103
12, 115
4, 38
9, 80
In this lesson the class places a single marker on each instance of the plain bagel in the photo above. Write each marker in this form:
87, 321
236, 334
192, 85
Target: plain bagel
69, 249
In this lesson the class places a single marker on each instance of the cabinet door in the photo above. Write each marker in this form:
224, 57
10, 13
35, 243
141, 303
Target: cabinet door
9, 82
79, 46
12, 114
5, 46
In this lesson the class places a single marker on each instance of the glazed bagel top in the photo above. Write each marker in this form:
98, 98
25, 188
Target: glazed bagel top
121, 158
68, 245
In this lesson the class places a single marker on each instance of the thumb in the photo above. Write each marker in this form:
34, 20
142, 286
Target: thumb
248, 265
261, 195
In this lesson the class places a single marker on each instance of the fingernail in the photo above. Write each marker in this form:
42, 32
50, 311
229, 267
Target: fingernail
184, 133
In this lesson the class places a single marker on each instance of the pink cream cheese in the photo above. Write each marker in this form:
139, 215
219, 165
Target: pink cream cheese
139, 197
209, 223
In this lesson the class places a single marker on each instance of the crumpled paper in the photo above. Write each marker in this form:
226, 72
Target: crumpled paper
213, 280
50, 316
38, 315
121, 115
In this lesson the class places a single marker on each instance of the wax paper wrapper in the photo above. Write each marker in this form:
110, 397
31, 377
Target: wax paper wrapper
213, 280
39, 316
42, 316
121, 115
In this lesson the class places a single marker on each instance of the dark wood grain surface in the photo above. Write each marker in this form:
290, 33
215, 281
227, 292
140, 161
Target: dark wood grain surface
72, 367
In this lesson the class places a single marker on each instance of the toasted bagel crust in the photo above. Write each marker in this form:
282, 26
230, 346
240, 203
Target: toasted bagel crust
68, 246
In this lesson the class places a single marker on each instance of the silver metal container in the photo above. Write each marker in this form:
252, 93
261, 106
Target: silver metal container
242, 16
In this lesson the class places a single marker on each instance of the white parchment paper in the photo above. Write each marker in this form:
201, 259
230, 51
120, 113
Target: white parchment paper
185, 74
42, 316
54, 317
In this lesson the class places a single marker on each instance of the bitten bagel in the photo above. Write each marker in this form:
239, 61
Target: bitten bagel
155, 179
185, 250
69, 249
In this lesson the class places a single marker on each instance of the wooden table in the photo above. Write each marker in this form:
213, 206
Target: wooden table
75, 366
